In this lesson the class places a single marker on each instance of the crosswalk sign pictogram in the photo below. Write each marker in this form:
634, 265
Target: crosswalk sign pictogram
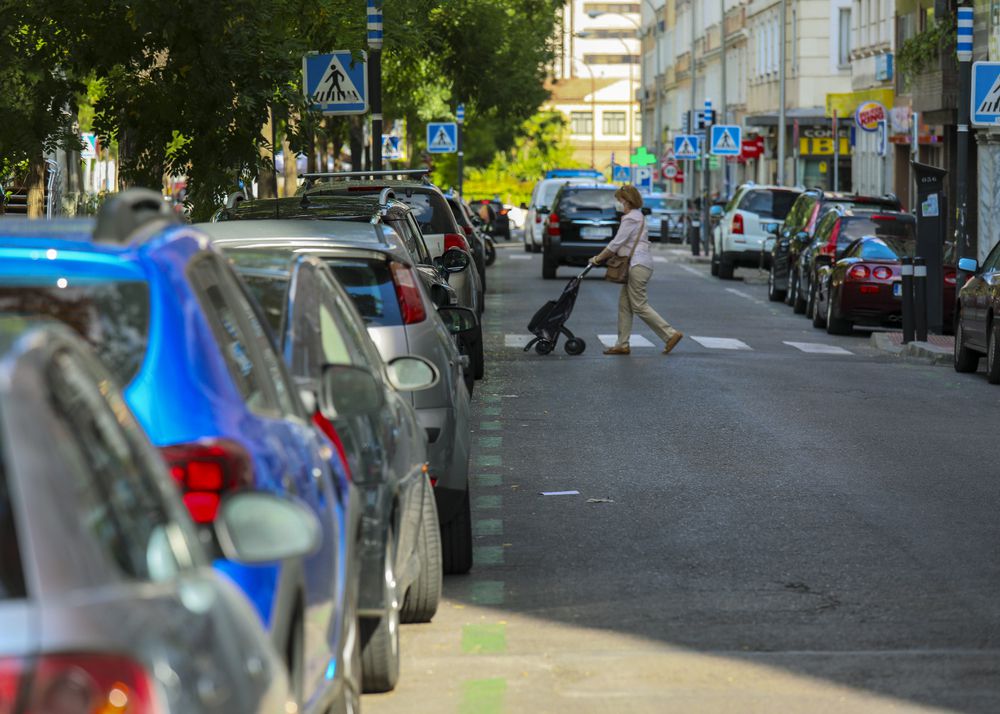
687, 146
621, 173
726, 140
985, 109
442, 137
336, 83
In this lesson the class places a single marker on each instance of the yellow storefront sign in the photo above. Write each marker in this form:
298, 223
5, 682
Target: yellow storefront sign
847, 103
823, 146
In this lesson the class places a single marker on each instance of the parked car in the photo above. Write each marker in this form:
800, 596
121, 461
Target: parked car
168, 315
797, 233
837, 229
499, 224
317, 326
583, 220
375, 269
667, 219
108, 601
539, 207
977, 327
864, 288
754, 214
469, 230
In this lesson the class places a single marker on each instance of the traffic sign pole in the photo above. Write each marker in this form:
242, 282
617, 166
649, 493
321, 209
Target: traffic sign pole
460, 120
375, 65
964, 51
706, 179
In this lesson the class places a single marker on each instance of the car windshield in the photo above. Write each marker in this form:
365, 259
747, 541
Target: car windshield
369, 283
662, 203
113, 316
855, 227
431, 211
587, 199
768, 203
11, 570
888, 248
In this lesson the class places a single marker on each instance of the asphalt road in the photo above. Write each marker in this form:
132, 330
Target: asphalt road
784, 530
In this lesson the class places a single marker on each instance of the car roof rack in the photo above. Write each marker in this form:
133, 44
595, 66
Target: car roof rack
421, 174
125, 213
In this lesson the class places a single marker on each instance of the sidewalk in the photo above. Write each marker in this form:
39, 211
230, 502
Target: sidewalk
938, 349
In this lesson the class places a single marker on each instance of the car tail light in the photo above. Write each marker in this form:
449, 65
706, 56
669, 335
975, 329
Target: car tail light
858, 272
411, 302
467, 230
207, 469
76, 684
830, 247
883, 217
553, 224
950, 277
454, 240
327, 427
737, 228
538, 217
882, 273
868, 289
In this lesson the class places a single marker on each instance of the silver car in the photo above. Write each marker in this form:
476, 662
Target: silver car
377, 271
666, 220
108, 601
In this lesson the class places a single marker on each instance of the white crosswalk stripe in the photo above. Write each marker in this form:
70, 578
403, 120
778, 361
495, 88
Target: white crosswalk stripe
818, 348
634, 341
660, 259
721, 343
516, 340
519, 256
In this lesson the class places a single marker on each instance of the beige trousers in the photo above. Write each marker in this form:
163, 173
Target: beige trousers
633, 301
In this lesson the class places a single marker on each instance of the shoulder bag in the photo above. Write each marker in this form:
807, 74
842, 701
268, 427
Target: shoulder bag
618, 265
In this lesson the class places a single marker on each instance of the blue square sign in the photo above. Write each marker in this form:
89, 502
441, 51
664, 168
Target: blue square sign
687, 146
985, 109
442, 137
621, 173
336, 83
726, 140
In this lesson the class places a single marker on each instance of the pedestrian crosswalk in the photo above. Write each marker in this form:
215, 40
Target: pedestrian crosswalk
709, 343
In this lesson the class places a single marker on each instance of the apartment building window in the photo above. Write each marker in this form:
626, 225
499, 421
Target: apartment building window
844, 37
611, 59
581, 123
626, 7
613, 123
611, 34
637, 128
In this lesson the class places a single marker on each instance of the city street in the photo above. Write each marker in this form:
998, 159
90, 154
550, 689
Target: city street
772, 520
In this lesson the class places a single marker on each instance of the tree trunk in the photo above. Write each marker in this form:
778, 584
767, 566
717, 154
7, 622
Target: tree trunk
357, 142
291, 179
267, 180
35, 185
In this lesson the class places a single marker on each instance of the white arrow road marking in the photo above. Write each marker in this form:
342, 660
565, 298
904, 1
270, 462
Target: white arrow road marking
721, 343
634, 341
818, 348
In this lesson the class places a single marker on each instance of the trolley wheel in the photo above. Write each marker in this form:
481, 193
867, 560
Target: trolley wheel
544, 347
575, 346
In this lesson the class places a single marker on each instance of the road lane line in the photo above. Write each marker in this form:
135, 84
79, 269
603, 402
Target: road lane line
819, 348
745, 296
694, 271
721, 343
660, 259
634, 341
519, 256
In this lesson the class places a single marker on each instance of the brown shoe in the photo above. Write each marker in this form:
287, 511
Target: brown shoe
618, 351
672, 342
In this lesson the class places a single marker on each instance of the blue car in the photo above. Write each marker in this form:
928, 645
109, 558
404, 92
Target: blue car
170, 318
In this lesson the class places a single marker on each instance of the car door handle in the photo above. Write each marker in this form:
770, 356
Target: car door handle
463, 361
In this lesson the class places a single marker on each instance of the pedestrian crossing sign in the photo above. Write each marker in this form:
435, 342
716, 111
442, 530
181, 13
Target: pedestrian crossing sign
726, 140
442, 137
392, 148
336, 82
621, 173
687, 146
985, 109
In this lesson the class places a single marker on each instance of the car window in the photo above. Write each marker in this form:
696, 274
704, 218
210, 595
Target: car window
431, 211
992, 261
768, 203
12, 585
889, 248
547, 194
116, 497
664, 203
587, 199
237, 346
350, 322
271, 293
423, 255
799, 213
825, 226
405, 232
112, 316
853, 227
369, 283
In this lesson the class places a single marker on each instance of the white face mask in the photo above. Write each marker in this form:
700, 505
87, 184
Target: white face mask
619, 206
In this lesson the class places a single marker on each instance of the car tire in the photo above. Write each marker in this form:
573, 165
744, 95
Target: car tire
966, 360
295, 662
726, 269
714, 264
423, 596
836, 325
536, 249
993, 353
456, 540
819, 317
380, 636
549, 266
799, 304
478, 355
792, 286
773, 294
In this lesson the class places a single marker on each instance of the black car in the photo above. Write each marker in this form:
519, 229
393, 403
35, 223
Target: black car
476, 240
581, 222
977, 325
835, 231
797, 232
499, 221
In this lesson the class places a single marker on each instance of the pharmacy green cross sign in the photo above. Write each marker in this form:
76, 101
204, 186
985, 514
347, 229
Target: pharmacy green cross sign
641, 157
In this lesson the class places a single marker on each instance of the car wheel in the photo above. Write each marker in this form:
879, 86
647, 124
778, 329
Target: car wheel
549, 266
792, 286
993, 353
819, 317
726, 269
799, 304
380, 636
773, 294
836, 325
966, 360
714, 263
478, 355
456, 540
421, 602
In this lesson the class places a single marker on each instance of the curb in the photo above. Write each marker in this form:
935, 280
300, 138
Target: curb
923, 352
684, 256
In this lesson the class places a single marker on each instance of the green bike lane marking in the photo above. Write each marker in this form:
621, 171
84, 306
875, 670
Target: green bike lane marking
490, 442
486, 480
489, 426
487, 502
489, 638
483, 696
487, 527
486, 555
489, 460
487, 592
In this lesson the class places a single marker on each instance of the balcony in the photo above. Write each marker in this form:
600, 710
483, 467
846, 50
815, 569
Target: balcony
935, 89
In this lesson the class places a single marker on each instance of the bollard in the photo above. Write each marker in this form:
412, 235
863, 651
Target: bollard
920, 298
907, 294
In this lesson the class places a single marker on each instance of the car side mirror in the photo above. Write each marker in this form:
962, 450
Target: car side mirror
347, 391
968, 265
454, 260
412, 373
458, 319
258, 527
715, 211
